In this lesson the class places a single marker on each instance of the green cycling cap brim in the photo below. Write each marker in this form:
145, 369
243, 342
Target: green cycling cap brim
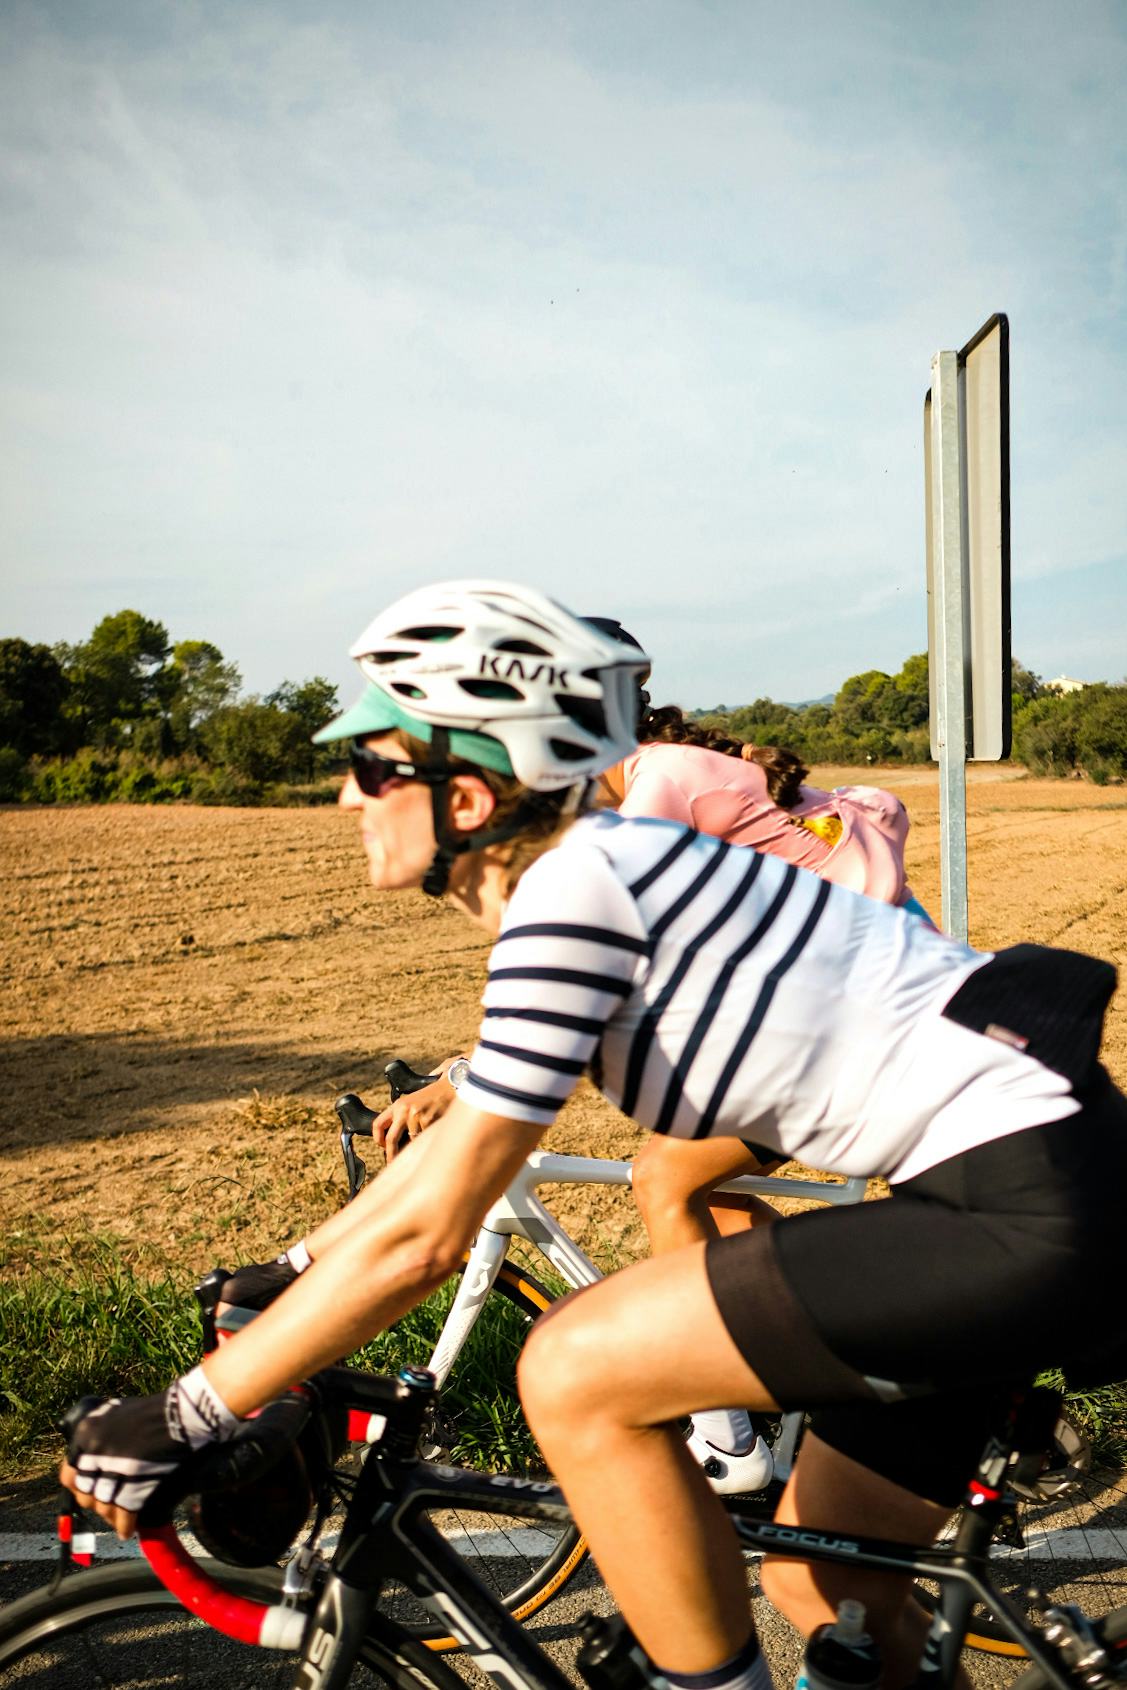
374, 712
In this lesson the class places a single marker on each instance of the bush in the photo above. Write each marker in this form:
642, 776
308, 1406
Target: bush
1082, 732
14, 776
1101, 736
225, 786
259, 743
85, 778
98, 777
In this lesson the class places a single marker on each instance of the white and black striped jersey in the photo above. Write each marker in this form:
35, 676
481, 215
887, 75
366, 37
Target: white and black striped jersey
715, 990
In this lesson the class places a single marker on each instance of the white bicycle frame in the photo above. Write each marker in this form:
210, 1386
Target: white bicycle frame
519, 1213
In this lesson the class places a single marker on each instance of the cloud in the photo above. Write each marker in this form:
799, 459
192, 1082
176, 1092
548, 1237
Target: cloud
637, 303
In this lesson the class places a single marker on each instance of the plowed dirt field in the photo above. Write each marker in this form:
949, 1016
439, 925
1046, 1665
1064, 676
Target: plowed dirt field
187, 990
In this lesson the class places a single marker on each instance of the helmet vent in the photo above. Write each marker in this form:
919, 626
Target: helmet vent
490, 689
514, 614
586, 713
567, 751
406, 690
524, 648
433, 635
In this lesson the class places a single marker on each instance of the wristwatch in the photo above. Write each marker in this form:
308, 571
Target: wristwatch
458, 1071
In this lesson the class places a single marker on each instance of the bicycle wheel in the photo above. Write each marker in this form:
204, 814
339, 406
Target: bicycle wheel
118, 1626
1113, 1633
479, 1423
1072, 1547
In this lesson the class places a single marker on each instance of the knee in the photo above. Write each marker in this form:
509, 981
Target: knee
658, 1186
562, 1371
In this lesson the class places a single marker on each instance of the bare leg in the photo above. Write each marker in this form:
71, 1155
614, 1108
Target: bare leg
828, 1491
673, 1183
601, 1376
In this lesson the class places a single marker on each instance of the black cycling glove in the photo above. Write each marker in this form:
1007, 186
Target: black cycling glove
256, 1285
125, 1448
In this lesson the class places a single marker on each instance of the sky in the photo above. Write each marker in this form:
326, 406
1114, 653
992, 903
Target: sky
304, 305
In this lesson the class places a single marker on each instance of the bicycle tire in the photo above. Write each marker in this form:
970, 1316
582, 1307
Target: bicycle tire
1113, 1629
1074, 1549
524, 1567
117, 1626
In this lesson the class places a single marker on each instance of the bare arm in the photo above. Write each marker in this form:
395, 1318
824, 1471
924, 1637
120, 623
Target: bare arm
402, 1237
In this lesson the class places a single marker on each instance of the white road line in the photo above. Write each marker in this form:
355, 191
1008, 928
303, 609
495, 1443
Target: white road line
43, 1546
1068, 1544
1071, 1543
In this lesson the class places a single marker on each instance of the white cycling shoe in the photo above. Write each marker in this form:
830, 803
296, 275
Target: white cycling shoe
732, 1475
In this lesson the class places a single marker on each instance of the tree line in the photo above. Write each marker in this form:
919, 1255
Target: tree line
130, 715
881, 718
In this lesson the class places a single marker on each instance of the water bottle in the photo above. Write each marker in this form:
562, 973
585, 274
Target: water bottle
841, 1656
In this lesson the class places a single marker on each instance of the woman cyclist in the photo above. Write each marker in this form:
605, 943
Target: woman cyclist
748, 795
716, 991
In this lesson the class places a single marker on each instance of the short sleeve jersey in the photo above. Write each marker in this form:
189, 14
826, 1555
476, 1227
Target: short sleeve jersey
715, 990
728, 796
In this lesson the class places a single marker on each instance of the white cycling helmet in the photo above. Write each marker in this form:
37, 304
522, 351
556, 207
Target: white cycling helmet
516, 682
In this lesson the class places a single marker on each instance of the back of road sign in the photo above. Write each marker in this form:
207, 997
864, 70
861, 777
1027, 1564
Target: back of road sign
984, 444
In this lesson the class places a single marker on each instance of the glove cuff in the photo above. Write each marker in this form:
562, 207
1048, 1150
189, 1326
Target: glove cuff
298, 1256
196, 1413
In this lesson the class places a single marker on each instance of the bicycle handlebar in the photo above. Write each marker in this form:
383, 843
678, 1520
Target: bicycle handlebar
380, 1407
270, 1625
357, 1120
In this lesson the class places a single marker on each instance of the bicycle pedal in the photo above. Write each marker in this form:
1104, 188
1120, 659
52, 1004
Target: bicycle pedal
1008, 1530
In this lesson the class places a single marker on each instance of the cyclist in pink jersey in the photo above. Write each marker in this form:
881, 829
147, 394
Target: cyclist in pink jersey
853, 836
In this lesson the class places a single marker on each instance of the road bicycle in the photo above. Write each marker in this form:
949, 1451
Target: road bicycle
1073, 1522
331, 1618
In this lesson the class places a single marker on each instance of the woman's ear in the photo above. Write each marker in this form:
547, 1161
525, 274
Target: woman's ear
470, 804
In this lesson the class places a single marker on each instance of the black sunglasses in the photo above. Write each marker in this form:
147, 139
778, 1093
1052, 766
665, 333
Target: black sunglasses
372, 771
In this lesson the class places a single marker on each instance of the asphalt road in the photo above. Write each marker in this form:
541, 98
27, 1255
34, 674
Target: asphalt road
153, 1660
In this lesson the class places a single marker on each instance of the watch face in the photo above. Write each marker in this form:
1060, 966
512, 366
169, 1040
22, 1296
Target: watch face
458, 1072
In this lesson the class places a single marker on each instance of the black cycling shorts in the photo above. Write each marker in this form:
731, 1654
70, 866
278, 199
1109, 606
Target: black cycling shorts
901, 1322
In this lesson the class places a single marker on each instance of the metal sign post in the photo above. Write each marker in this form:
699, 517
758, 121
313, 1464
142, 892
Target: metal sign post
949, 654
967, 523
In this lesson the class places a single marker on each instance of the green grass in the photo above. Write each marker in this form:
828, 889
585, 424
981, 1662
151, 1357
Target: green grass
100, 1328
1101, 1414
94, 1328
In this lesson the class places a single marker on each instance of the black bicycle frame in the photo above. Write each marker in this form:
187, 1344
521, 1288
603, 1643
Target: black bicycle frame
386, 1537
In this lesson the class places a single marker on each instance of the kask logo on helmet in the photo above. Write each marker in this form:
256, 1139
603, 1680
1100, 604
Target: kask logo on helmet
511, 668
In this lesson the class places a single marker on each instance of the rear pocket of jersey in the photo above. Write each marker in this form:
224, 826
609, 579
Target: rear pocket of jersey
1049, 1003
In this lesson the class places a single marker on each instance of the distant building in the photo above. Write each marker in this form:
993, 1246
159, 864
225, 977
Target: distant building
1065, 683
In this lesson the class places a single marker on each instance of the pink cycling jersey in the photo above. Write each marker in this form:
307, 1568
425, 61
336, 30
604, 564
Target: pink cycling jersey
727, 797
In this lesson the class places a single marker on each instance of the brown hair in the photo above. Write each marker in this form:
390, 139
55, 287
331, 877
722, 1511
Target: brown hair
541, 825
785, 770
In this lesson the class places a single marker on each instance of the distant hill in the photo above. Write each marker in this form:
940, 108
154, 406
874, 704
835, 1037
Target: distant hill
784, 704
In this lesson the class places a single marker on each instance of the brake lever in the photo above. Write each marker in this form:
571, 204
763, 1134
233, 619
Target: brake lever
206, 1294
355, 1118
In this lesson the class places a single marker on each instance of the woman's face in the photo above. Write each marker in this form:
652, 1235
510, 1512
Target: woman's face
397, 827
